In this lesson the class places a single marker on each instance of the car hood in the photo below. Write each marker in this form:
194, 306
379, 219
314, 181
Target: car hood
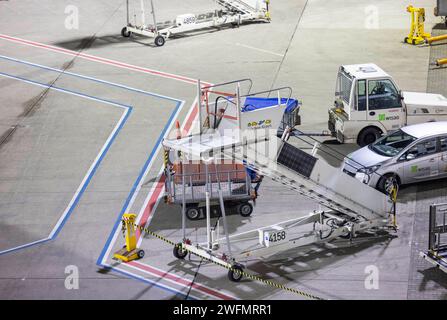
363, 157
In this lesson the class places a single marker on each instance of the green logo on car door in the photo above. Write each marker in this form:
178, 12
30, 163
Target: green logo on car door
382, 117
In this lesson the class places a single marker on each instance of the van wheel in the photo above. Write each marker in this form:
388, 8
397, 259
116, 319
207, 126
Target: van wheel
368, 136
387, 182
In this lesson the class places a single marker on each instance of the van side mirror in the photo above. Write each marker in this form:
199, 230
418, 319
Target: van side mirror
401, 96
410, 156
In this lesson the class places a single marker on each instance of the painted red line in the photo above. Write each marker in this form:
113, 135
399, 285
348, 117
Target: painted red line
150, 206
191, 118
99, 59
160, 183
166, 275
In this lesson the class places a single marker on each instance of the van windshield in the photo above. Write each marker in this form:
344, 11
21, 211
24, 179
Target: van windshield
392, 144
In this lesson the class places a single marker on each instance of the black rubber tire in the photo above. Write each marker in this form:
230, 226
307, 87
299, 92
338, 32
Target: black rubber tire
405, 40
245, 209
235, 273
385, 181
140, 254
193, 213
125, 33
368, 136
178, 252
159, 41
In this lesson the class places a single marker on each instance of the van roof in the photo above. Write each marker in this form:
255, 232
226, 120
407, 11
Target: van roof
365, 71
426, 129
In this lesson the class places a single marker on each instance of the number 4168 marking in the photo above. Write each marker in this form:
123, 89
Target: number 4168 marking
277, 236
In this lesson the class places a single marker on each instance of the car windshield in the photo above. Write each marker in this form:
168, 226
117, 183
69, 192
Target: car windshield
392, 144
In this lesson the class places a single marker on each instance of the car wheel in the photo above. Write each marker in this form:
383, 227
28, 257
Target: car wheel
368, 136
387, 182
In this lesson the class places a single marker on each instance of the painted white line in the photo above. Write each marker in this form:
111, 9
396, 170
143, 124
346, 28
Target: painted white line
146, 280
88, 78
99, 59
132, 200
260, 50
177, 280
93, 166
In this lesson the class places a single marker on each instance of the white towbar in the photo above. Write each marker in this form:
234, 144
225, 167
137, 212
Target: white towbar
249, 135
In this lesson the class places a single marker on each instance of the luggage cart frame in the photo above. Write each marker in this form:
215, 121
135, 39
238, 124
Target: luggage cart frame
437, 239
190, 189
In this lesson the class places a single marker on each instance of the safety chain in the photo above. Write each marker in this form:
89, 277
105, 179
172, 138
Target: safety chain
237, 271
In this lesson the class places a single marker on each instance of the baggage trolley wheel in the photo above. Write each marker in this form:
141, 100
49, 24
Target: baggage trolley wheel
178, 251
235, 273
140, 254
125, 33
245, 209
159, 41
193, 213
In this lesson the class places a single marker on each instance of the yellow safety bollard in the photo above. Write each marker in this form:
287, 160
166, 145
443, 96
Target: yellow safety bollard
130, 251
267, 14
417, 33
441, 62
437, 38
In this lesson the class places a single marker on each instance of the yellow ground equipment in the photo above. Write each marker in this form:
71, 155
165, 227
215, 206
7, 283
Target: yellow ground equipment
417, 33
130, 251
441, 62
437, 38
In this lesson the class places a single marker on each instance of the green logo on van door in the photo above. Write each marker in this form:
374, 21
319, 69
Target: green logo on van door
382, 117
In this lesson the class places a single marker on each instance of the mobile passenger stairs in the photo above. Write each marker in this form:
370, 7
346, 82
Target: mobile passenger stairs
233, 12
229, 130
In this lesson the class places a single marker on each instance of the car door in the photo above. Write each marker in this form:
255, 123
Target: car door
421, 161
384, 104
443, 157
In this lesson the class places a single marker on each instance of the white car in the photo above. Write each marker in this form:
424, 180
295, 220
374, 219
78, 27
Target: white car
412, 154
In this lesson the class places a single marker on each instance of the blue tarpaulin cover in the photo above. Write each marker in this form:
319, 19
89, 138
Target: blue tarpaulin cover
254, 103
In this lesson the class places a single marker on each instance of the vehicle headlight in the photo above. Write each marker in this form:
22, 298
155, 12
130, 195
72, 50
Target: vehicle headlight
369, 170
364, 174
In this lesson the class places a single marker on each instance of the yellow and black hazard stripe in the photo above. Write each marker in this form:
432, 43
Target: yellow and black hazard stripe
245, 274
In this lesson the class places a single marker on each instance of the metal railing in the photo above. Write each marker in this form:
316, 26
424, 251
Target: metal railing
437, 228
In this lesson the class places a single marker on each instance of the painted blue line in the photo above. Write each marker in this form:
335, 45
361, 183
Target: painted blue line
41, 84
140, 176
128, 110
27, 245
135, 185
88, 78
92, 173
151, 282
